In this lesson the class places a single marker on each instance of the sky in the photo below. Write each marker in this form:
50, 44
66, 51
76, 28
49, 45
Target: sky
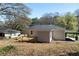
39, 9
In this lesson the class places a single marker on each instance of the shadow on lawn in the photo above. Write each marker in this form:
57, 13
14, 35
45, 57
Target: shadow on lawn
30, 41
73, 54
33, 41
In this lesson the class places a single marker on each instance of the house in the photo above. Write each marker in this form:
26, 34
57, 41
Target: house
47, 33
9, 33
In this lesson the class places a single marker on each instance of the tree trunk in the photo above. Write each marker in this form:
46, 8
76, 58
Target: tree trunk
78, 22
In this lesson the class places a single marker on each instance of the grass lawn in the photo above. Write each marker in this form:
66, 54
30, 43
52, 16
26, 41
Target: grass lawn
55, 48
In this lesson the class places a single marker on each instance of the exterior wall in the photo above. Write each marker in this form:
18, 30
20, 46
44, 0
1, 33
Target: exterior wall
58, 35
7, 35
43, 36
14, 35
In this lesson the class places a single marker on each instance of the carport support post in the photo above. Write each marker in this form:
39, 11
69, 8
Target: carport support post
65, 34
76, 37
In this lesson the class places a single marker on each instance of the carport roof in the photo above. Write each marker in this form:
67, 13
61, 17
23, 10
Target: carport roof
45, 27
71, 32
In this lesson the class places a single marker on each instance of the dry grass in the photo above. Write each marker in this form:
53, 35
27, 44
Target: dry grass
56, 48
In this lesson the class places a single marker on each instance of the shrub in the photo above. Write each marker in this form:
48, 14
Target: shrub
34, 40
6, 49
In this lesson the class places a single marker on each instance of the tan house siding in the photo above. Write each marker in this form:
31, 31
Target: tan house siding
43, 36
59, 35
48, 36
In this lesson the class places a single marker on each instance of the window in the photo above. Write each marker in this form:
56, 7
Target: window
31, 32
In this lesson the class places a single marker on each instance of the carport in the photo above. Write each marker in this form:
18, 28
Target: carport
71, 32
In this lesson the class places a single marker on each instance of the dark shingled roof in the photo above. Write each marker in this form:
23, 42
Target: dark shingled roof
9, 31
45, 27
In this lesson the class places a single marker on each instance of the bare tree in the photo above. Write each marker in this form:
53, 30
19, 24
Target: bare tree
15, 13
77, 15
46, 18
49, 18
15, 9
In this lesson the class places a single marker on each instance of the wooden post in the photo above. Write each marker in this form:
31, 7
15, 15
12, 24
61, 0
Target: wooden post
65, 34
